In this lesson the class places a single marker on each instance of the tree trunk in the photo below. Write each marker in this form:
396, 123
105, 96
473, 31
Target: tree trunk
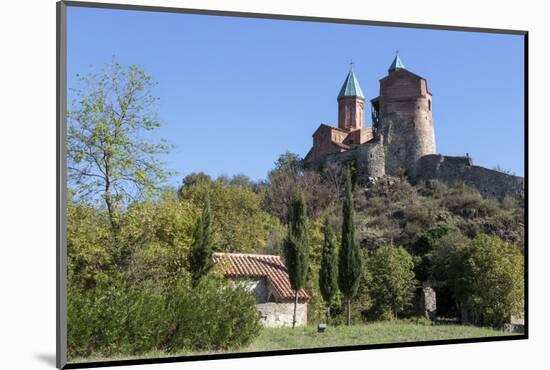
295, 305
328, 313
349, 311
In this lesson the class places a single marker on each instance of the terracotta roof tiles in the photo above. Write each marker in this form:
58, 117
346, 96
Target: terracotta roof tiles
269, 267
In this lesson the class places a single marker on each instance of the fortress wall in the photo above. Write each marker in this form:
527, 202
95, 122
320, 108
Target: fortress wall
369, 157
452, 170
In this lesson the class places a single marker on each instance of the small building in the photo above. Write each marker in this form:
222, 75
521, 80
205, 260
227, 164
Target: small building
267, 277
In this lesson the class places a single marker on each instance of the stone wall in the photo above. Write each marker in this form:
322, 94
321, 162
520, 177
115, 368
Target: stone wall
405, 121
280, 314
369, 158
452, 170
427, 303
258, 287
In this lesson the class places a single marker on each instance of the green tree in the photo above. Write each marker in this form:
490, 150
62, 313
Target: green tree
109, 156
392, 280
296, 248
90, 258
423, 249
328, 274
495, 280
350, 269
200, 255
445, 261
158, 235
239, 224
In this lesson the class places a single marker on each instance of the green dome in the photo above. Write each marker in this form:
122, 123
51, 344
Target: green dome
351, 87
396, 64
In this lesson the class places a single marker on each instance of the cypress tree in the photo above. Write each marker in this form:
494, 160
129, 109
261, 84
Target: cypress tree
296, 247
328, 275
200, 255
349, 272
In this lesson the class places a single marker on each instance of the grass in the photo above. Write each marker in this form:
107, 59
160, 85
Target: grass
374, 333
273, 339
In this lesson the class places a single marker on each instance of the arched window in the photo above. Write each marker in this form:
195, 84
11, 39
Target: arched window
429, 105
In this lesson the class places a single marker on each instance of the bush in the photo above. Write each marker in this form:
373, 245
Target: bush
125, 320
215, 315
114, 319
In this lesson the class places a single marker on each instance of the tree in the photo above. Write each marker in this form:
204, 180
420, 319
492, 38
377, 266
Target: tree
296, 248
423, 249
445, 260
495, 280
328, 275
288, 175
393, 283
239, 224
200, 255
350, 269
109, 156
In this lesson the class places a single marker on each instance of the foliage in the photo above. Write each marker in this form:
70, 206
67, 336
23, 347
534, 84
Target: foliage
108, 157
393, 283
152, 244
122, 319
328, 275
350, 261
239, 224
157, 237
296, 247
214, 315
494, 273
288, 176
114, 318
423, 248
89, 253
200, 255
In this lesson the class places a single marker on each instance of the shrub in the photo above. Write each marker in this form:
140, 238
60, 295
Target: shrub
215, 315
114, 319
125, 320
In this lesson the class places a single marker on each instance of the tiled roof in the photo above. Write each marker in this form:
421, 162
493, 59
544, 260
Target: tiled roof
269, 267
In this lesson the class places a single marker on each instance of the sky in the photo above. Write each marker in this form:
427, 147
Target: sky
235, 93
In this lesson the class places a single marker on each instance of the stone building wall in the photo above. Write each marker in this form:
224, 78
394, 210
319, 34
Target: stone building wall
452, 170
405, 121
258, 287
369, 158
280, 314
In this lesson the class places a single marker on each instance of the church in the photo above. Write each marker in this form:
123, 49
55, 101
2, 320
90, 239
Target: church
401, 140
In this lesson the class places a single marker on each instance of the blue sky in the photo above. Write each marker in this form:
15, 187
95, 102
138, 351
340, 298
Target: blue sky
235, 93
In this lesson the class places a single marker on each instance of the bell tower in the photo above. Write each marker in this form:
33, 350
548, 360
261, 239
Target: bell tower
351, 104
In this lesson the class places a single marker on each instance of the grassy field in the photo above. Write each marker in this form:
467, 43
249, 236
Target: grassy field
374, 333
271, 339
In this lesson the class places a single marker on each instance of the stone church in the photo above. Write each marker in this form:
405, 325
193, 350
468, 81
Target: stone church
401, 139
